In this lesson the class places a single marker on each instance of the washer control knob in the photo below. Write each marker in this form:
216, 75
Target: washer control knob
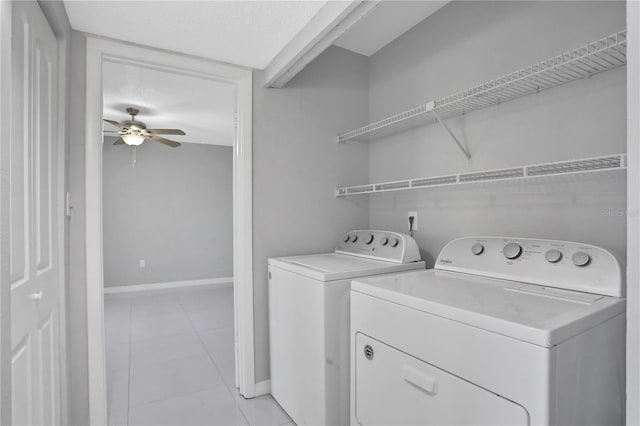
346, 238
512, 251
394, 242
369, 239
384, 241
477, 249
354, 238
580, 258
553, 256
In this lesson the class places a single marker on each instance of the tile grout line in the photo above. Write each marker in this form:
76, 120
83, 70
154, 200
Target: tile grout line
209, 355
215, 365
172, 397
189, 332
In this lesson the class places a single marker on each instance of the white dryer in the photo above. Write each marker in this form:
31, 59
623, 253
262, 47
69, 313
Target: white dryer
309, 321
502, 332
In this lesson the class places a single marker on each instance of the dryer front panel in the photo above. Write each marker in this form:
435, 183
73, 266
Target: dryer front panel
394, 388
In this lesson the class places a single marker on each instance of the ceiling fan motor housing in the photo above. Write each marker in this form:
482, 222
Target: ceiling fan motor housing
133, 124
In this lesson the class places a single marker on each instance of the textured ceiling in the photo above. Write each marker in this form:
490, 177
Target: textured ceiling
204, 109
247, 33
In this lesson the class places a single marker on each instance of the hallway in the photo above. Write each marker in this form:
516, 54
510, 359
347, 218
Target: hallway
170, 361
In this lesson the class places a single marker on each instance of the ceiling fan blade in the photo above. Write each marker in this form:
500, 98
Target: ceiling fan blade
120, 141
114, 123
172, 144
112, 131
166, 131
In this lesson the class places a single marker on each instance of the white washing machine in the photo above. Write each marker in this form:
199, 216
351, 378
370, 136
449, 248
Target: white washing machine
309, 321
502, 332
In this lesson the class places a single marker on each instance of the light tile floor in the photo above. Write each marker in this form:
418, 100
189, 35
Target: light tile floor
170, 361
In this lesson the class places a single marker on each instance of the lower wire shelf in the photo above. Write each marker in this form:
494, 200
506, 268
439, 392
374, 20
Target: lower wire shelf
560, 168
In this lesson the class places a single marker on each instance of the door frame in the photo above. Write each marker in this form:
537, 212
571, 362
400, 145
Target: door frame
5, 134
98, 51
633, 214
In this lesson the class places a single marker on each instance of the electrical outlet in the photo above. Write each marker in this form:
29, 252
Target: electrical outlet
143, 263
415, 220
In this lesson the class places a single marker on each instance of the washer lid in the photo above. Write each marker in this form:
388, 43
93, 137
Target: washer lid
332, 266
544, 316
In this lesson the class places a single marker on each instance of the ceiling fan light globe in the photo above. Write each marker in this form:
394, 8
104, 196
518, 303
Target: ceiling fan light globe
133, 140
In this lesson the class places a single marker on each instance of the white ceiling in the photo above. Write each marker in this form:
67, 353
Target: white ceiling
385, 23
204, 109
247, 33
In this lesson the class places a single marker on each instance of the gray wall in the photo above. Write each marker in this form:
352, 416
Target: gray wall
174, 209
467, 43
297, 165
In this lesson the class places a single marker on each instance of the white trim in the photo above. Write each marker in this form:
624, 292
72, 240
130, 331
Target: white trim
633, 209
63, 138
331, 21
218, 282
99, 50
263, 387
5, 135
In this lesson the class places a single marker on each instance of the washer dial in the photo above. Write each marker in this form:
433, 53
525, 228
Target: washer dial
512, 251
553, 256
369, 239
394, 242
384, 241
580, 258
477, 249
354, 238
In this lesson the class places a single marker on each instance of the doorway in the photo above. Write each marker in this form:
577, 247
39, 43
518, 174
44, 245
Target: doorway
101, 52
167, 246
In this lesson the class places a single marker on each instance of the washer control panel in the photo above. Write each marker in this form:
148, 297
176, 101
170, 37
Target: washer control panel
381, 245
562, 264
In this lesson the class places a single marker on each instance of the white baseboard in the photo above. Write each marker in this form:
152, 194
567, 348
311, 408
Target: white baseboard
263, 388
221, 282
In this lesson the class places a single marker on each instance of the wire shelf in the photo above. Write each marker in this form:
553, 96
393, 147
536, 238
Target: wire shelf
617, 162
592, 58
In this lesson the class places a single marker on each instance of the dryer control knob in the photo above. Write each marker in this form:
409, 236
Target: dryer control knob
384, 241
477, 249
369, 239
512, 251
580, 258
394, 242
346, 238
553, 256
354, 238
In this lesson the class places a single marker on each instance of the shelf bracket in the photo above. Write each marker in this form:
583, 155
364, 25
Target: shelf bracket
455, 139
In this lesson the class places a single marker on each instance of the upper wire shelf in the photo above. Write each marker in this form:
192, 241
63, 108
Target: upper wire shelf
617, 162
592, 58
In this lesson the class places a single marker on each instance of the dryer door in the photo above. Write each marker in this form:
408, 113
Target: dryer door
393, 388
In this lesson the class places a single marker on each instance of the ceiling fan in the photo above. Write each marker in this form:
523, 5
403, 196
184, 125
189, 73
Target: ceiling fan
133, 132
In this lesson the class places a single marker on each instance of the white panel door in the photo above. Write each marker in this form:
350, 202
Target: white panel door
33, 218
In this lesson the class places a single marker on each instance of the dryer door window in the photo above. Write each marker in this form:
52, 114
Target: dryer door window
393, 388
